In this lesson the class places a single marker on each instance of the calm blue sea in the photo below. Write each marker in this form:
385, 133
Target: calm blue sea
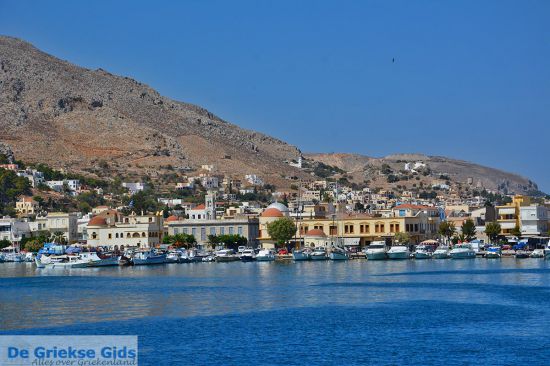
433, 312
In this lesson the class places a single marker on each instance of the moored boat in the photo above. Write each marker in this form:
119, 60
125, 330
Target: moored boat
301, 254
399, 252
462, 251
520, 254
99, 259
226, 255
547, 251
441, 252
423, 251
61, 261
493, 252
148, 257
537, 253
318, 254
338, 254
376, 251
248, 255
265, 255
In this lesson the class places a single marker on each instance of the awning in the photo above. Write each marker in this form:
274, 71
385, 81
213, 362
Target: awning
351, 241
507, 225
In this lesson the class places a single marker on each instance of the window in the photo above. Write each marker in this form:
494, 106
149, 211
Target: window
396, 227
194, 232
176, 231
231, 230
212, 231
240, 230
222, 230
203, 233
332, 230
415, 227
184, 230
110, 236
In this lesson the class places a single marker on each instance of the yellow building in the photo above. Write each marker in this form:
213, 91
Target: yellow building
508, 216
26, 206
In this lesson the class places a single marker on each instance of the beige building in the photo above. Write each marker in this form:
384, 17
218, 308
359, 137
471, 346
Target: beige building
26, 206
243, 225
420, 222
112, 230
58, 222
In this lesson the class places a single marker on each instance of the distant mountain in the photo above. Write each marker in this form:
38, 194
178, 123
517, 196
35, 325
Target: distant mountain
73, 118
95, 123
361, 168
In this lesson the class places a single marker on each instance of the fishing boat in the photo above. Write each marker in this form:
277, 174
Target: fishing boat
265, 255
423, 251
148, 257
96, 259
462, 251
9, 254
399, 252
376, 251
441, 252
226, 255
493, 252
301, 254
173, 256
318, 254
248, 255
338, 254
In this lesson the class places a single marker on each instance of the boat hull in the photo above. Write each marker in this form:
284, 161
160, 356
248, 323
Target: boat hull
376, 256
318, 257
422, 255
462, 255
225, 259
492, 255
299, 256
399, 255
247, 258
159, 259
113, 261
337, 257
267, 258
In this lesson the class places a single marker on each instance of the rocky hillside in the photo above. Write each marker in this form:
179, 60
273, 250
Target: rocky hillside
73, 118
363, 168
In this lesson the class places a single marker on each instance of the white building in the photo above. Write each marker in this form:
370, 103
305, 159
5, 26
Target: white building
534, 220
58, 222
253, 179
14, 230
134, 188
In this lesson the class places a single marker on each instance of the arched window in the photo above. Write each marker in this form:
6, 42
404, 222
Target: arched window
143, 235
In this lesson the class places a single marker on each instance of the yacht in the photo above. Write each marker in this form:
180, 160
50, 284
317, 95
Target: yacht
173, 256
99, 259
462, 251
399, 252
423, 251
61, 261
148, 257
338, 254
522, 254
226, 255
265, 255
442, 252
493, 252
537, 253
301, 254
248, 255
376, 251
318, 254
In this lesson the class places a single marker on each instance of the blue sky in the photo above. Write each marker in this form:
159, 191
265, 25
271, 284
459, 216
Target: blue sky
471, 79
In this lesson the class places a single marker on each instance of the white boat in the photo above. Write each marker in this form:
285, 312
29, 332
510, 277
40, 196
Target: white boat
226, 255
338, 254
376, 251
462, 251
423, 251
61, 261
520, 254
101, 260
9, 254
441, 252
537, 253
318, 254
547, 251
301, 254
493, 252
248, 255
147, 258
265, 255
399, 252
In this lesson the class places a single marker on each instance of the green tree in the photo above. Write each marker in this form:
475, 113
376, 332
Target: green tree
469, 229
447, 230
231, 241
281, 230
4, 243
33, 245
180, 240
402, 237
492, 230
